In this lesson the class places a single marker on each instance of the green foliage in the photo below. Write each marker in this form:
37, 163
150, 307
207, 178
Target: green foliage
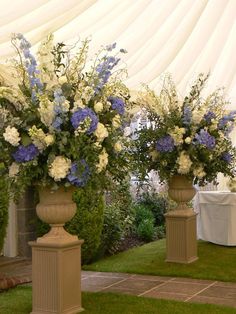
158, 204
146, 230
144, 221
4, 202
88, 220
113, 229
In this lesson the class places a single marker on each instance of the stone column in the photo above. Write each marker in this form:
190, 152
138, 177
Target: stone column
181, 236
56, 277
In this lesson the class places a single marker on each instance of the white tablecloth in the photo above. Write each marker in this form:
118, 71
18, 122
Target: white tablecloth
216, 217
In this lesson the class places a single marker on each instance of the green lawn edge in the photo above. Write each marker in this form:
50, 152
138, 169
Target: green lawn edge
215, 262
18, 301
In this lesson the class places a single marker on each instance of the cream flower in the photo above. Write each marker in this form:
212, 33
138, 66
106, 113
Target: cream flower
62, 80
184, 163
188, 140
59, 168
118, 147
103, 161
116, 122
49, 139
199, 172
177, 135
101, 132
127, 131
12, 136
13, 169
98, 107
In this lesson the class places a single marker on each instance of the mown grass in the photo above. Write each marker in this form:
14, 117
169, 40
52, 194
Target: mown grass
18, 301
215, 262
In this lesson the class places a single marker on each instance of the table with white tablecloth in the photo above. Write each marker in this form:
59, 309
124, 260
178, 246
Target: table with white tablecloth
216, 217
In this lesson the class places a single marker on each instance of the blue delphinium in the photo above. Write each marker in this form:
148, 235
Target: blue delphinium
208, 116
25, 153
30, 64
117, 104
187, 115
104, 71
77, 177
204, 138
165, 144
80, 115
227, 157
224, 120
59, 99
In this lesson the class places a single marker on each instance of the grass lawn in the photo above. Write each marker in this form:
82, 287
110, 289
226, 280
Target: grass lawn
215, 262
18, 301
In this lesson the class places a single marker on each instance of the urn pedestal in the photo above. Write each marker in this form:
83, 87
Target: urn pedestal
56, 257
181, 234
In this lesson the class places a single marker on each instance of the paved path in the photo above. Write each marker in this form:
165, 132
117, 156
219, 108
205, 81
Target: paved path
182, 289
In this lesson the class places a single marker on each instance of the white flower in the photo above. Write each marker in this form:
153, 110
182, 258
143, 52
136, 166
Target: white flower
38, 137
116, 122
59, 168
98, 107
65, 106
12, 136
188, 140
46, 111
13, 169
49, 139
127, 131
101, 132
184, 163
103, 161
197, 115
62, 79
199, 172
118, 147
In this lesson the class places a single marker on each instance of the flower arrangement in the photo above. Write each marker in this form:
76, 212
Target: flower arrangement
63, 122
187, 136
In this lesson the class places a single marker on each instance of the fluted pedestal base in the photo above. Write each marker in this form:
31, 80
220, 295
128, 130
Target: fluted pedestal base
56, 277
181, 236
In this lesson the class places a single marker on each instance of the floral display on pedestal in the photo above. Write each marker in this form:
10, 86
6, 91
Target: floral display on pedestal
188, 137
63, 121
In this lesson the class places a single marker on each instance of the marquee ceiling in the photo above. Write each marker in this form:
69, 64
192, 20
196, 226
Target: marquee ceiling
183, 37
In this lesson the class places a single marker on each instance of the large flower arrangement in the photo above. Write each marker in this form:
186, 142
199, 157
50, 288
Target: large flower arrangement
187, 136
63, 122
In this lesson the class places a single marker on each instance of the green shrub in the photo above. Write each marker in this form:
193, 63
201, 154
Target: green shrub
144, 221
88, 220
113, 229
146, 230
4, 203
158, 204
142, 213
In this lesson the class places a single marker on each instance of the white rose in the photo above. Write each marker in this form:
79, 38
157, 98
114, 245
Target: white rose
188, 140
127, 131
116, 121
13, 169
59, 168
98, 107
49, 139
103, 161
12, 136
101, 132
118, 147
62, 79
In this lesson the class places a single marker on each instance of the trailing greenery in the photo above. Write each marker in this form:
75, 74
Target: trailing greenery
88, 220
215, 262
19, 301
4, 202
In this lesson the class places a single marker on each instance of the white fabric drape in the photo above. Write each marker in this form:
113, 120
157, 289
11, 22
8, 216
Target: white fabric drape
183, 37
